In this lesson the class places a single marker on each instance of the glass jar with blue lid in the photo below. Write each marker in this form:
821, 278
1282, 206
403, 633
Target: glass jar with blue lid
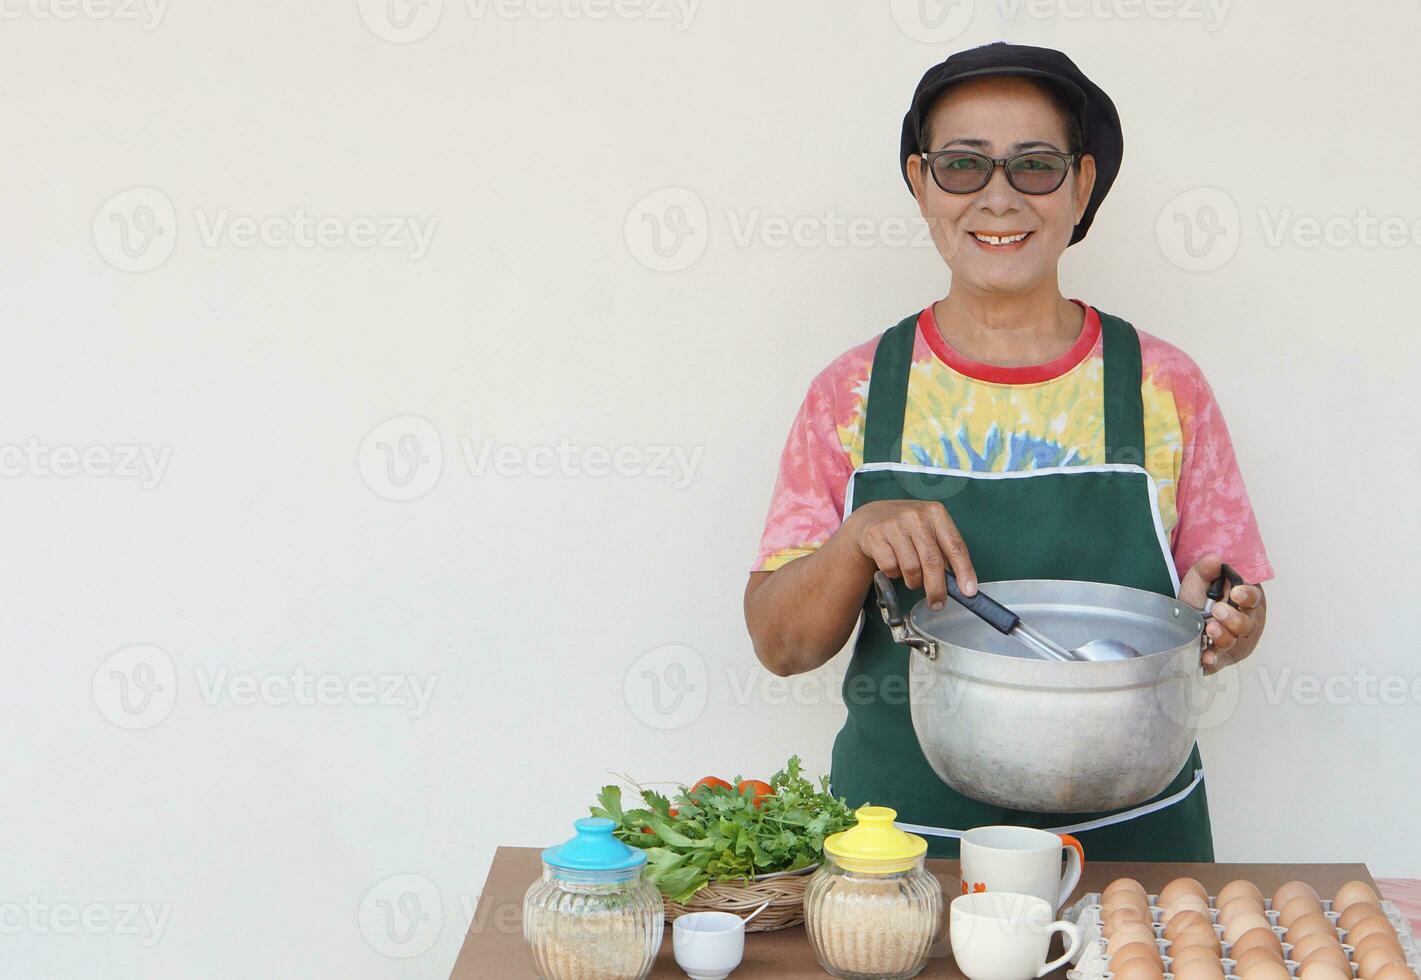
593, 915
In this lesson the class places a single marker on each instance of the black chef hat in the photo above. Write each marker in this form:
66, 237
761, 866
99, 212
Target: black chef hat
1100, 123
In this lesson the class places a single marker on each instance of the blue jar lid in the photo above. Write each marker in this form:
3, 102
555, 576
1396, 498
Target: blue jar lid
594, 849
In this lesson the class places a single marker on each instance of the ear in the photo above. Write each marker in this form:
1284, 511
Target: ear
918, 179
1085, 183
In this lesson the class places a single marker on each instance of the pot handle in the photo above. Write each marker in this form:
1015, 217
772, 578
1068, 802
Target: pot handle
898, 624
1222, 585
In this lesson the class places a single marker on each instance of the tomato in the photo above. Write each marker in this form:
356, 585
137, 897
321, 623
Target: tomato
711, 781
758, 787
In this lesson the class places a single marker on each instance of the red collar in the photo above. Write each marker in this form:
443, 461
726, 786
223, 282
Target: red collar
1026, 373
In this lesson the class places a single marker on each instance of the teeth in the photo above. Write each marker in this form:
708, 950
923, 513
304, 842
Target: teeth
996, 240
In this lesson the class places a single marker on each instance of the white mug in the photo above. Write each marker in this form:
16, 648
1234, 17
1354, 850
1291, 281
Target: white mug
1022, 860
1006, 936
708, 945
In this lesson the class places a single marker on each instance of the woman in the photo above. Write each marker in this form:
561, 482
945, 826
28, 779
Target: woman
1126, 470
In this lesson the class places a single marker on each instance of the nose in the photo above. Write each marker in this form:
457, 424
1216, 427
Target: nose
999, 196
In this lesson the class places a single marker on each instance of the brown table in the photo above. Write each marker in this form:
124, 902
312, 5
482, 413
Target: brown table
494, 947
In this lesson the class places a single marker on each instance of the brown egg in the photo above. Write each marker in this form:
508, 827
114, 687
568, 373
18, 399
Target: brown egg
1323, 971
1260, 937
1184, 903
1122, 916
1358, 911
1237, 906
1393, 971
1310, 944
1329, 954
1126, 884
1367, 927
1182, 886
1375, 958
1266, 970
1291, 890
1198, 970
1127, 934
1353, 891
1296, 909
1125, 900
1241, 888
1188, 954
1131, 951
1186, 919
1139, 969
1378, 939
1197, 937
1258, 954
1311, 923
1243, 922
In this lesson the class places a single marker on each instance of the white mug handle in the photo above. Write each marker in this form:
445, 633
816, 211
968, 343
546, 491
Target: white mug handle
1074, 947
1075, 864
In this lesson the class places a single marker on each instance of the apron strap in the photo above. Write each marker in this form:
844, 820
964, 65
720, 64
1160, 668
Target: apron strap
1124, 405
888, 393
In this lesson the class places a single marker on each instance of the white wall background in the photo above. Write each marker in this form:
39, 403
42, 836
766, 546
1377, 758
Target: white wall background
261, 833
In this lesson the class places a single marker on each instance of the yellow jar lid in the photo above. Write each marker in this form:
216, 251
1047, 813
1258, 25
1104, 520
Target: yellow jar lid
875, 845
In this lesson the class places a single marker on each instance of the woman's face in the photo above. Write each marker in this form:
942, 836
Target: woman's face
999, 117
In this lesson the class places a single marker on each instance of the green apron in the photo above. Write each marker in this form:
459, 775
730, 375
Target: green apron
1096, 523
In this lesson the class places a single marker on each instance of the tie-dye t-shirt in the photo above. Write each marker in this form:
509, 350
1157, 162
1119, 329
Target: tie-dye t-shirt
963, 414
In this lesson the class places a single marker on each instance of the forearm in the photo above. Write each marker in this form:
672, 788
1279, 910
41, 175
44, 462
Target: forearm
804, 613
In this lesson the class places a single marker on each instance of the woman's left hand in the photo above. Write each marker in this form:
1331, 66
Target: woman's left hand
1234, 631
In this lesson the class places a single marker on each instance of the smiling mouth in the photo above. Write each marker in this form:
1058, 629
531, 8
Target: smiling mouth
1000, 241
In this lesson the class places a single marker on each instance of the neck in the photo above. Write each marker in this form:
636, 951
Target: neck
1009, 329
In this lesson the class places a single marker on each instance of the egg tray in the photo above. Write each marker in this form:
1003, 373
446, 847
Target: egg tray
1092, 962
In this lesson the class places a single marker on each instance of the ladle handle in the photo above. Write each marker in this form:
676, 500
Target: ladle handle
1224, 584
987, 609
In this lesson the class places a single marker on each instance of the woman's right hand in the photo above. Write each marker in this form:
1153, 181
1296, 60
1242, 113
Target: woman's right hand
914, 540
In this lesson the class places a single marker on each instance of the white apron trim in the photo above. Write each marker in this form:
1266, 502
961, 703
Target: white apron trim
1026, 474
1076, 828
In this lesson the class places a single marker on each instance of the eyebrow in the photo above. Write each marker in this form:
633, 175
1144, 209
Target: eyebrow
982, 144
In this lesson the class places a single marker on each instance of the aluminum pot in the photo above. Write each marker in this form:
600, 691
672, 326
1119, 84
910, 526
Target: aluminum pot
1000, 725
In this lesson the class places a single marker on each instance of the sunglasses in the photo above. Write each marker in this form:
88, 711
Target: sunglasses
965, 172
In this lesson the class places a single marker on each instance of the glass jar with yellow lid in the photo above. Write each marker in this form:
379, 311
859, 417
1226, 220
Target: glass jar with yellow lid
873, 910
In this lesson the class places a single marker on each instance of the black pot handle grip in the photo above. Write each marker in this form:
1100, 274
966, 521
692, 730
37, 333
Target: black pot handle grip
1224, 584
987, 609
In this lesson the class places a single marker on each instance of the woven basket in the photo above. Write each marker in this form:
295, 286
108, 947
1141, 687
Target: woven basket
784, 891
